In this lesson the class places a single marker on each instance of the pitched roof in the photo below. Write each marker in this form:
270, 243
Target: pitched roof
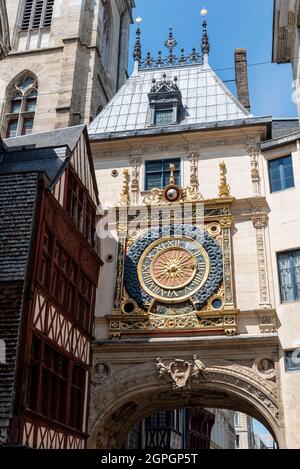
205, 98
68, 136
48, 160
18, 193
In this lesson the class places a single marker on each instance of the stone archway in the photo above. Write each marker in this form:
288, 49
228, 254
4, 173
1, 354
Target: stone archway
131, 386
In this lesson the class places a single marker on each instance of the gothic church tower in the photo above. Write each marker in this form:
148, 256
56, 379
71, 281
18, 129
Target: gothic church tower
68, 58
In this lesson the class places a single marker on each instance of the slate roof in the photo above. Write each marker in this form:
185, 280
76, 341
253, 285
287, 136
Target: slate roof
54, 138
48, 160
18, 197
281, 127
17, 204
205, 97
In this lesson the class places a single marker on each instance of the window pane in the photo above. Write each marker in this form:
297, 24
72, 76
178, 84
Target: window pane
292, 360
285, 273
296, 273
153, 166
28, 81
27, 126
153, 181
12, 128
163, 117
289, 275
16, 103
158, 173
281, 174
30, 104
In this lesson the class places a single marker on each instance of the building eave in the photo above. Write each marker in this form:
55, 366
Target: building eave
181, 129
281, 141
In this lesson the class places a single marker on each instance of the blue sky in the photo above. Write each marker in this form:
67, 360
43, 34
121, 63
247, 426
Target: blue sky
231, 24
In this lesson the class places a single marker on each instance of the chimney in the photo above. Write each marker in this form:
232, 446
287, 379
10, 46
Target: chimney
241, 77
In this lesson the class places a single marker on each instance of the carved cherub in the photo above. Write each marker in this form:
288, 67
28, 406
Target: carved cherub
199, 368
161, 367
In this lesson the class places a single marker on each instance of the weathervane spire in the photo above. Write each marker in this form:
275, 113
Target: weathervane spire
205, 40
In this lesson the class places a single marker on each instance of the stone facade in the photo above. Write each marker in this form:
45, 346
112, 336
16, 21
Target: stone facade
286, 43
78, 61
245, 438
4, 35
255, 230
223, 434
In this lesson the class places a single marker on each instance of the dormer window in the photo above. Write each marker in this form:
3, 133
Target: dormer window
163, 116
165, 102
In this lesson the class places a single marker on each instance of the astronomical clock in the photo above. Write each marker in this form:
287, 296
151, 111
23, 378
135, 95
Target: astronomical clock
175, 277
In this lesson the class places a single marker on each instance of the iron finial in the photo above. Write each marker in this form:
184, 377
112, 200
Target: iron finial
137, 52
205, 39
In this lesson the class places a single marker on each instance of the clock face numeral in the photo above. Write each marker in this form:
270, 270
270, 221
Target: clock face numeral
173, 269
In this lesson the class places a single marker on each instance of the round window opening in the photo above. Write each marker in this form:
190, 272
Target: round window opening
128, 308
217, 304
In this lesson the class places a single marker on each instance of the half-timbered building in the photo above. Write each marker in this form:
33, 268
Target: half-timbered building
49, 273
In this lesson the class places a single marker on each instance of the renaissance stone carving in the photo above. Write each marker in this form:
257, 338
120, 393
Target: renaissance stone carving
259, 222
180, 373
265, 367
253, 150
135, 162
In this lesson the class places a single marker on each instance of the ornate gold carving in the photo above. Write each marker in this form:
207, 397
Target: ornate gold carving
156, 196
125, 196
172, 174
173, 274
225, 222
214, 229
174, 268
224, 189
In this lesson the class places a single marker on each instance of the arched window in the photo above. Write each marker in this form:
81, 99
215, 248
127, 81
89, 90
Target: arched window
107, 32
21, 105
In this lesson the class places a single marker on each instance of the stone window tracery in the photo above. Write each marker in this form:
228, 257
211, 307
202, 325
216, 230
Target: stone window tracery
21, 107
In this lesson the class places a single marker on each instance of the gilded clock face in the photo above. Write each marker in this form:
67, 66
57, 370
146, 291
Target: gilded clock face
173, 265
173, 269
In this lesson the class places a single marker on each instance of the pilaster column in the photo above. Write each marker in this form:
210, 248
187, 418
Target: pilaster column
253, 150
260, 221
135, 163
193, 157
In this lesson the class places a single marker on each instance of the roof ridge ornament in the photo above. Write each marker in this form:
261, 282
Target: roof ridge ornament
205, 40
137, 52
